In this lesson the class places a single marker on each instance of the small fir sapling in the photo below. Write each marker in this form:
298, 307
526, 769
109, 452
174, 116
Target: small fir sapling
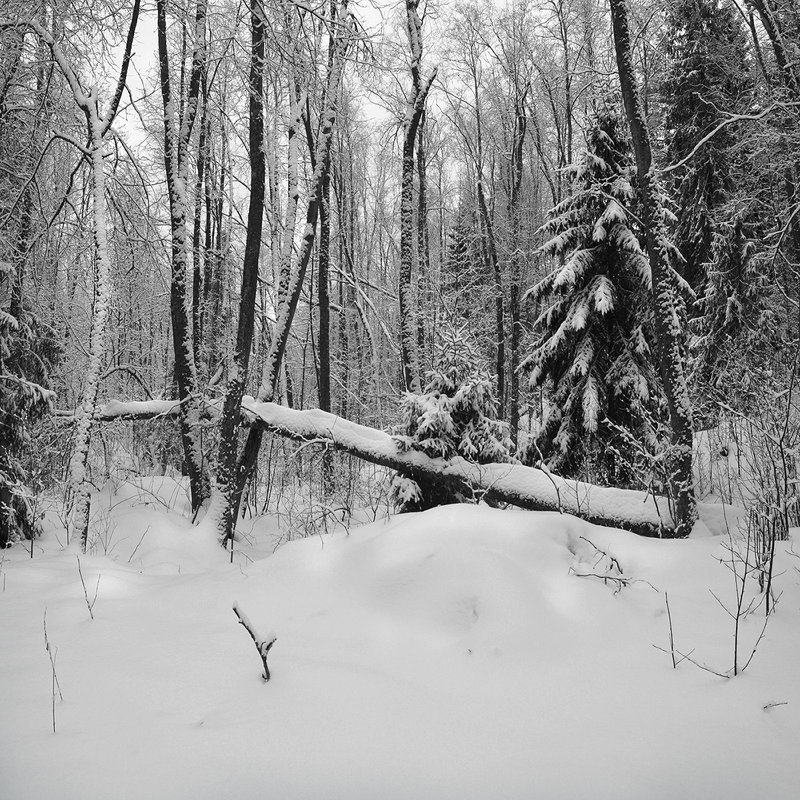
454, 415
592, 354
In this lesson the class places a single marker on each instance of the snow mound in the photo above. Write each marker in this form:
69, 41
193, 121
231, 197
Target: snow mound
464, 652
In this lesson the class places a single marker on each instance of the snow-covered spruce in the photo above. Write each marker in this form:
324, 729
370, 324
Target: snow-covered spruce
27, 351
592, 353
454, 415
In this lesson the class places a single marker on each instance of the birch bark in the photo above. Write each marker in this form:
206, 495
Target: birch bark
98, 125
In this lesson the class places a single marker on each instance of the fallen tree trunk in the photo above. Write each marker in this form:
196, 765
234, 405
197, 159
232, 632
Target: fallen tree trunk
525, 487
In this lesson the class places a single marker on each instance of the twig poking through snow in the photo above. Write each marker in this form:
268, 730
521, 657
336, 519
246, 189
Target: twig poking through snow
89, 603
263, 644
140, 541
52, 653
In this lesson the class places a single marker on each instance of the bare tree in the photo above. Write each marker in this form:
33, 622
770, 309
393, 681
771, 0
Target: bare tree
98, 125
343, 33
178, 126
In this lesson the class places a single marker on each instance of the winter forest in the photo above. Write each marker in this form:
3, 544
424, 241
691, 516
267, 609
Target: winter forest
446, 351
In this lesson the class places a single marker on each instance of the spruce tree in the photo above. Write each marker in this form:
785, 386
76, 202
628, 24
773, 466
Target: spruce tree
737, 330
592, 353
454, 415
464, 277
27, 351
720, 197
709, 77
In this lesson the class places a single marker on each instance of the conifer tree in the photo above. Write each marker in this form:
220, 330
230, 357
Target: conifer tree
737, 328
718, 196
464, 277
27, 351
709, 77
454, 415
592, 353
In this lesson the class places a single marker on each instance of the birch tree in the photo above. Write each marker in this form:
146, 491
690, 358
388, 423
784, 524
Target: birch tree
98, 124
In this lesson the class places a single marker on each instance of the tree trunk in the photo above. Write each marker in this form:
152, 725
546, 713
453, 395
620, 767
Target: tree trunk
323, 297
176, 167
274, 359
526, 487
409, 356
229, 441
515, 187
666, 312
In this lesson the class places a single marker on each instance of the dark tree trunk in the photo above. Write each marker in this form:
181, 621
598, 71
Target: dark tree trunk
227, 477
274, 360
323, 296
175, 147
515, 188
409, 312
666, 312
489, 247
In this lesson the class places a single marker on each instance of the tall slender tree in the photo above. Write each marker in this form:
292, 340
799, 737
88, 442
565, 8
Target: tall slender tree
178, 123
669, 332
415, 107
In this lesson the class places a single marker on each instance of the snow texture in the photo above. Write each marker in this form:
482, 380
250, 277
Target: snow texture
453, 654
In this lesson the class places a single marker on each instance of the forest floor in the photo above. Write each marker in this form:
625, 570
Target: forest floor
460, 653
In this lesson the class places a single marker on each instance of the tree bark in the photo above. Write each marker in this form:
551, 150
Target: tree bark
227, 482
409, 356
668, 327
526, 487
515, 187
176, 167
274, 359
324, 297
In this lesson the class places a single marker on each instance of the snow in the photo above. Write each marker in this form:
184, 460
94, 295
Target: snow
450, 654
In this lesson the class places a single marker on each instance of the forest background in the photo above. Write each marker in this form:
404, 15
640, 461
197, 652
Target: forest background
563, 234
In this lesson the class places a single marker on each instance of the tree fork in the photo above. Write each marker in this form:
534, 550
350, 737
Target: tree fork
227, 478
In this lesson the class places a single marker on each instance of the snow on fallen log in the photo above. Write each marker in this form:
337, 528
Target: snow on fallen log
527, 487
131, 409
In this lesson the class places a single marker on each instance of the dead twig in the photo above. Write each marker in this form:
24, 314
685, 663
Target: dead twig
52, 653
89, 603
263, 644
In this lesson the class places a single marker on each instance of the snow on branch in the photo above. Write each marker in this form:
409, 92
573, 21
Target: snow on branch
263, 644
729, 120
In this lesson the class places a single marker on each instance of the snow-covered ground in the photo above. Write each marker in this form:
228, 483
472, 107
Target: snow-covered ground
452, 654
